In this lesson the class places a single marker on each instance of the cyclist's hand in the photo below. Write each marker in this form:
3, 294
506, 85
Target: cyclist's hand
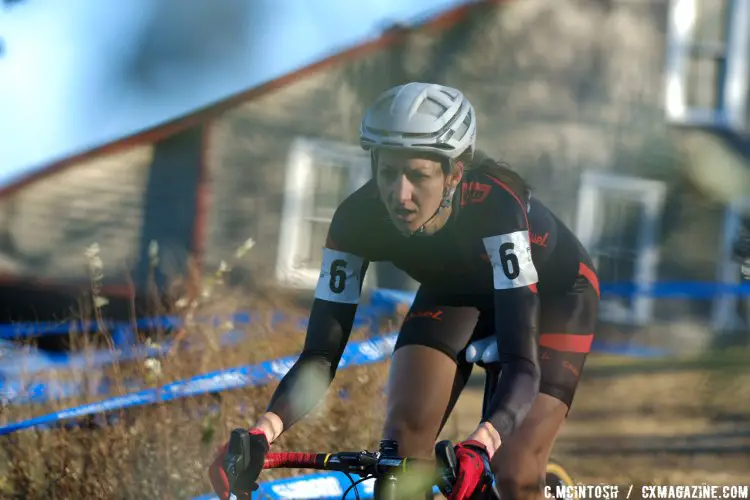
244, 483
474, 476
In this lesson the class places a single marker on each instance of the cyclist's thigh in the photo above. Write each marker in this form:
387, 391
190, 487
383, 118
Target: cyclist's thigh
424, 380
463, 373
566, 332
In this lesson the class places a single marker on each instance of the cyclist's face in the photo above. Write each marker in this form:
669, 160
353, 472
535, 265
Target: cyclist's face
411, 187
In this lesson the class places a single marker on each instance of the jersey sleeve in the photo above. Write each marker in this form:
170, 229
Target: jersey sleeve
337, 295
501, 221
343, 265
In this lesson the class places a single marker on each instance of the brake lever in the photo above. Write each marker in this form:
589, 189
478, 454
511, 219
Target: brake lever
238, 455
445, 456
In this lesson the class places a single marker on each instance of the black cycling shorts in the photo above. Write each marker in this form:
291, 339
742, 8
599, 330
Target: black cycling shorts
449, 322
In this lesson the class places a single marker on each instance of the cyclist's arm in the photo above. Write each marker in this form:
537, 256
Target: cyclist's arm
506, 241
331, 319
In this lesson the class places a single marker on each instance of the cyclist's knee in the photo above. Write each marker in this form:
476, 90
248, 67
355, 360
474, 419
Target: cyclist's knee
520, 487
413, 440
519, 474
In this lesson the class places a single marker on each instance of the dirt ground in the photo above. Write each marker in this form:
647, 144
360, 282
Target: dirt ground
653, 423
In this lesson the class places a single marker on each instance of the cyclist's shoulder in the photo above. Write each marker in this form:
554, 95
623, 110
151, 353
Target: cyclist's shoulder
361, 204
358, 218
488, 183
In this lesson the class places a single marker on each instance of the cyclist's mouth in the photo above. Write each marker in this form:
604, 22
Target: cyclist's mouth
405, 214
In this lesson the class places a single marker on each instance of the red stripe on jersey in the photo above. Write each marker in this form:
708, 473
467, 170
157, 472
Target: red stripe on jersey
513, 194
590, 275
567, 342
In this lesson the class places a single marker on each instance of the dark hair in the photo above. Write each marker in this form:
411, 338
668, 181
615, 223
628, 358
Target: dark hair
500, 170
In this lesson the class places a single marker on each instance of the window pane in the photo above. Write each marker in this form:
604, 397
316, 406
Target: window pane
704, 82
318, 233
616, 251
618, 221
331, 187
712, 20
616, 268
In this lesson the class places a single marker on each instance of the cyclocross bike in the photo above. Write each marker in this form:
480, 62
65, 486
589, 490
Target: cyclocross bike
383, 466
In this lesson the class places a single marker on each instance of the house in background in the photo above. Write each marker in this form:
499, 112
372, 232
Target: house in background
612, 110
121, 197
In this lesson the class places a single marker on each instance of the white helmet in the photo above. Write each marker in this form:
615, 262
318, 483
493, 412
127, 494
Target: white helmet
420, 117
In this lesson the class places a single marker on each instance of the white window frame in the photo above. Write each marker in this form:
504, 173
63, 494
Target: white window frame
298, 201
651, 194
731, 112
724, 314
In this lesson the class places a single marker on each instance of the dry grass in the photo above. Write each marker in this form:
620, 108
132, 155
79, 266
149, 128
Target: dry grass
162, 451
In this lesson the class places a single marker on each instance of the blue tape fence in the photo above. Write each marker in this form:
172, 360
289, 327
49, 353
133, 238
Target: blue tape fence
28, 363
356, 353
123, 330
659, 290
320, 486
381, 298
383, 301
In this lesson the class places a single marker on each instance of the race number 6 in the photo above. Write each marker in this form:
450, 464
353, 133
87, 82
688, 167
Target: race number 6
337, 282
509, 261
510, 256
340, 279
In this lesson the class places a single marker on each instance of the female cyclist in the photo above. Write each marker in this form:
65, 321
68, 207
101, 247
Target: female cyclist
491, 261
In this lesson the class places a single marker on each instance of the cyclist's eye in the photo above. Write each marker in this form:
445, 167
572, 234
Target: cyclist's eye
387, 172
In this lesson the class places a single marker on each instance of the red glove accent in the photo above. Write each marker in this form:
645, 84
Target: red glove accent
217, 474
474, 474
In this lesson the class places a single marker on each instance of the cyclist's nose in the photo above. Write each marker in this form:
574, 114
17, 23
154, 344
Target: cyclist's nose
403, 189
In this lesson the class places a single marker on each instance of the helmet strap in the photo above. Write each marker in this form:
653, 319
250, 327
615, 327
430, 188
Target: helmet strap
444, 205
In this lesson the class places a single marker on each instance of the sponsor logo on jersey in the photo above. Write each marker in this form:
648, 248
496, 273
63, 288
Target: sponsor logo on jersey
539, 239
436, 315
474, 193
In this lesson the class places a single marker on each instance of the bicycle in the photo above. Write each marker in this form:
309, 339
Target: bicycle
385, 466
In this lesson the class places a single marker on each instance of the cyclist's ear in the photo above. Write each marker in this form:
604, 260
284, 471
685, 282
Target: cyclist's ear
457, 173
